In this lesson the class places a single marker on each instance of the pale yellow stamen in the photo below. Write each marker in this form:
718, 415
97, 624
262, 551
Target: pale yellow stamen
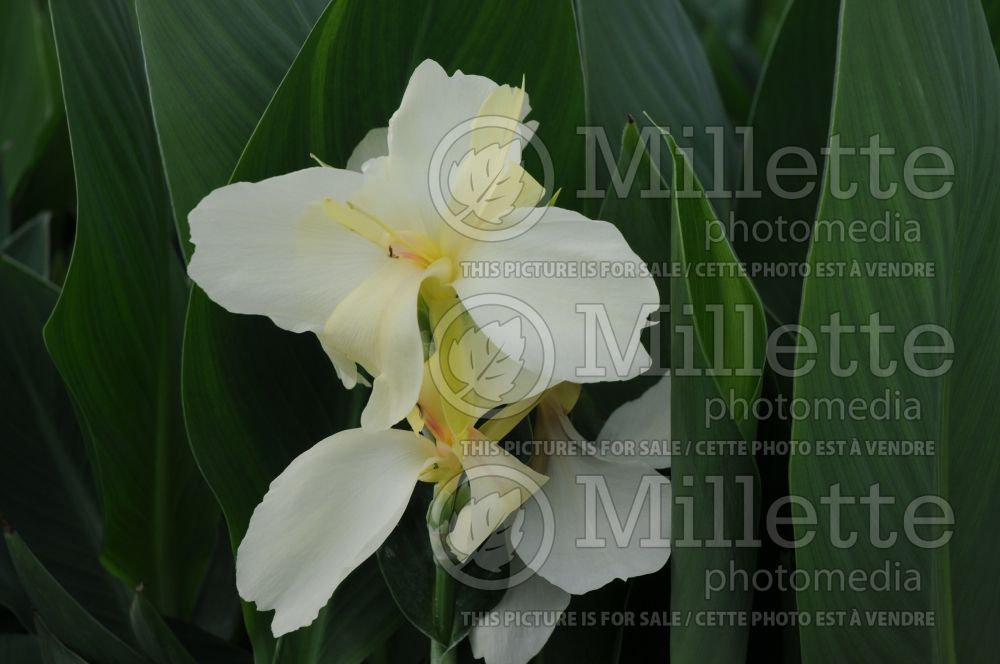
358, 221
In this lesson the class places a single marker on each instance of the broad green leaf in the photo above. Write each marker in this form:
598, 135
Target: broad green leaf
351, 73
171, 642
49, 186
936, 85
262, 395
154, 636
25, 87
601, 642
645, 58
29, 244
718, 327
791, 117
992, 9
12, 595
642, 214
46, 492
52, 651
763, 21
212, 68
20, 648
360, 617
4, 208
726, 28
205, 647
211, 73
218, 611
115, 333
407, 562
62, 614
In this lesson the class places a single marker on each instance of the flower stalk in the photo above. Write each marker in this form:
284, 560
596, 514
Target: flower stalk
444, 613
443, 599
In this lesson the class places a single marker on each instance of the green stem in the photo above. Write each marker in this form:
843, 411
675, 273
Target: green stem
444, 612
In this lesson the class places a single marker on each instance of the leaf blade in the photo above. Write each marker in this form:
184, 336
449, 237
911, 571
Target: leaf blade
115, 331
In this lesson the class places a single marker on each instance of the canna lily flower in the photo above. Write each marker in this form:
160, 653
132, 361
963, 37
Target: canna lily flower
352, 255
337, 502
571, 569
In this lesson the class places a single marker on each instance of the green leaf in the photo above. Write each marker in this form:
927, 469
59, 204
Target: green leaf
725, 29
20, 648
212, 69
582, 642
115, 333
211, 73
63, 615
154, 636
218, 611
49, 186
642, 214
24, 77
29, 244
407, 563
46, 492
12, 595
791, 111
4, 208
646, 59
205, 647
718, 327
52, 651
936, 84
992, 9
331, 97
359, 618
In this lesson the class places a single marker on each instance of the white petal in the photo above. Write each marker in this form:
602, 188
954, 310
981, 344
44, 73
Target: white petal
568, 239
266, 248
645, 422
433, 104
396, 188
640, 506
505, 643
376, 325
375, 144
322, 517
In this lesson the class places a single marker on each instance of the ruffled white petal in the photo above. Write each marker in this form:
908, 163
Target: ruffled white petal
634, 538
322, 517
526, 617
376, 325
434, 104
396, 188
568, 239
267, 248
644, 422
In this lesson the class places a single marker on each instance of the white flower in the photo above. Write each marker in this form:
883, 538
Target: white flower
348, 255
571, 569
